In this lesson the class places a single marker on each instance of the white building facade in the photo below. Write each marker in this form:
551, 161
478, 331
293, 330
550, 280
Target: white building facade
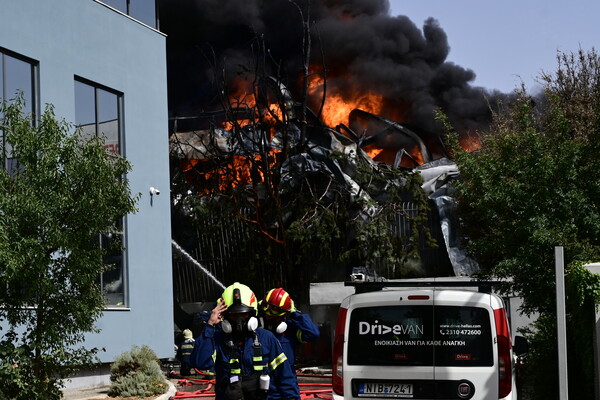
102, 65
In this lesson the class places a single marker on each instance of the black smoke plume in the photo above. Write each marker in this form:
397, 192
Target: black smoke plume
361, 46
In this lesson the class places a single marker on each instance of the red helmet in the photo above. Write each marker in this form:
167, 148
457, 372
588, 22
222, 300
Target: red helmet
277, 302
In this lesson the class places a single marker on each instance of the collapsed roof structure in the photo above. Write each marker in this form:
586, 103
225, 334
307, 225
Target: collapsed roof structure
372, 139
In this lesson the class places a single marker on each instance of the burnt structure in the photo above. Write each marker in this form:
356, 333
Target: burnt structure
391, 76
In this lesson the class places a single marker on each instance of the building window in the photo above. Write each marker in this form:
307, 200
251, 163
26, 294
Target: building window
17, 77
112, 281
98, 113
142, 10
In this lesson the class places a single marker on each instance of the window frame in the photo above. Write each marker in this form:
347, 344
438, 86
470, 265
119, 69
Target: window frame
120, 109
33, 102
127, 12
121, 151
35, 65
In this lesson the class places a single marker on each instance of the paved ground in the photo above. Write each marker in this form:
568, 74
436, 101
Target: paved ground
101, 392
311, 386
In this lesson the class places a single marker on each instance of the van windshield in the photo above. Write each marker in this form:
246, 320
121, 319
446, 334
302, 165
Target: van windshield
420, 336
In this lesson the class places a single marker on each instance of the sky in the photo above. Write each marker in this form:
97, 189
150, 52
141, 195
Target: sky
509, 41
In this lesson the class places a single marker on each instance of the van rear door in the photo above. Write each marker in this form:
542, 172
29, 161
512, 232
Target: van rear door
422, 344
464, 351
390, 346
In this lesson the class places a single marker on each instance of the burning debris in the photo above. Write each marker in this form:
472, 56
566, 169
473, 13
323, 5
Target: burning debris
370, 86
250, 140
437, 184
204, 145
388, 141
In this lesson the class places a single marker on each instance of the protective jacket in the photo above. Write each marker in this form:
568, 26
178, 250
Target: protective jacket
212, 352
183, 355
185, 350
300, 330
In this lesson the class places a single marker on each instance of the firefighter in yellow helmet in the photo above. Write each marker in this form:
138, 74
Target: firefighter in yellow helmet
248, 361
184, 351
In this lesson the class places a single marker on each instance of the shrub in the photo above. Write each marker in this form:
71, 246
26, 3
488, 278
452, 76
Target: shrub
137, 373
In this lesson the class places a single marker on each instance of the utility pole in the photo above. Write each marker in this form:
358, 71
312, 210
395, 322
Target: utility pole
595, 269
561, 323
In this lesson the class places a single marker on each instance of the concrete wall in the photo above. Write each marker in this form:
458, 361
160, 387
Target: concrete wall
85, 38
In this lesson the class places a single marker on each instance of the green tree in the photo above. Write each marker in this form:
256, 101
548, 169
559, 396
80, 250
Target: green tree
59, 193
535, 184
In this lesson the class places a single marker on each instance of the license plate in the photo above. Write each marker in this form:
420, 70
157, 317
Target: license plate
392, 390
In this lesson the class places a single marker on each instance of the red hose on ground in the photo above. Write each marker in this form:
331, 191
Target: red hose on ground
185, 395
208, 391
314, 384
316, 394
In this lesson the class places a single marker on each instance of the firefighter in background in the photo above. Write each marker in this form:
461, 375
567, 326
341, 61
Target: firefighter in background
292, 328
248, 361
184, 351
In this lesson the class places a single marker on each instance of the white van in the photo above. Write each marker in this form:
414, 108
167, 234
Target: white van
422, 343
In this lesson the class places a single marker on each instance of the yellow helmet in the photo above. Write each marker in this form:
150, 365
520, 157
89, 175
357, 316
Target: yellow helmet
239, 298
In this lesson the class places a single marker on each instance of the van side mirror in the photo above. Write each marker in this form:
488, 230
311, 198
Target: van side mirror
521, 345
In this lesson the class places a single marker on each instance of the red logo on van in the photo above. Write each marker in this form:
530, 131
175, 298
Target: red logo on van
461, 357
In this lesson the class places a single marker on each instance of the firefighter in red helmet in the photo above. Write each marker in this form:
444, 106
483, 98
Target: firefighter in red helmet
292, 328
248, 361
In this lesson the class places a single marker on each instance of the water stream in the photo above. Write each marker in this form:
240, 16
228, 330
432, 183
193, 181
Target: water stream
191, 259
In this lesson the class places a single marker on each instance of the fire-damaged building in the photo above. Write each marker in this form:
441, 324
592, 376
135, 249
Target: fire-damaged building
362, 82
218, 256
193, 150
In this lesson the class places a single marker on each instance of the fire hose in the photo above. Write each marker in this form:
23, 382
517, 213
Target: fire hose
209, 392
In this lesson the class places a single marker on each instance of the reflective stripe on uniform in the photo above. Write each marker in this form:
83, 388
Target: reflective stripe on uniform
257, 363
234, 371
277, 361
186, 349
214, 356
299, 336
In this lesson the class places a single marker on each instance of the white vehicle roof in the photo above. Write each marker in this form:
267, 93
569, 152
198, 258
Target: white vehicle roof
455, 290
438, 296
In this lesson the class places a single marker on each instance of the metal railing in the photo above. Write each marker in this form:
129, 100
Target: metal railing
220, 253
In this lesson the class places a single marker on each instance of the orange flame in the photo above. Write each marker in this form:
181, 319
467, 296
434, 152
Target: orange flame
470, 142
337, 108
388, 156
239, 170
373, 152
235, 171
242, 96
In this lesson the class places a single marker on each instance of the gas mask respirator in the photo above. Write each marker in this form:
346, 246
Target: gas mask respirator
275, 325
239, 323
